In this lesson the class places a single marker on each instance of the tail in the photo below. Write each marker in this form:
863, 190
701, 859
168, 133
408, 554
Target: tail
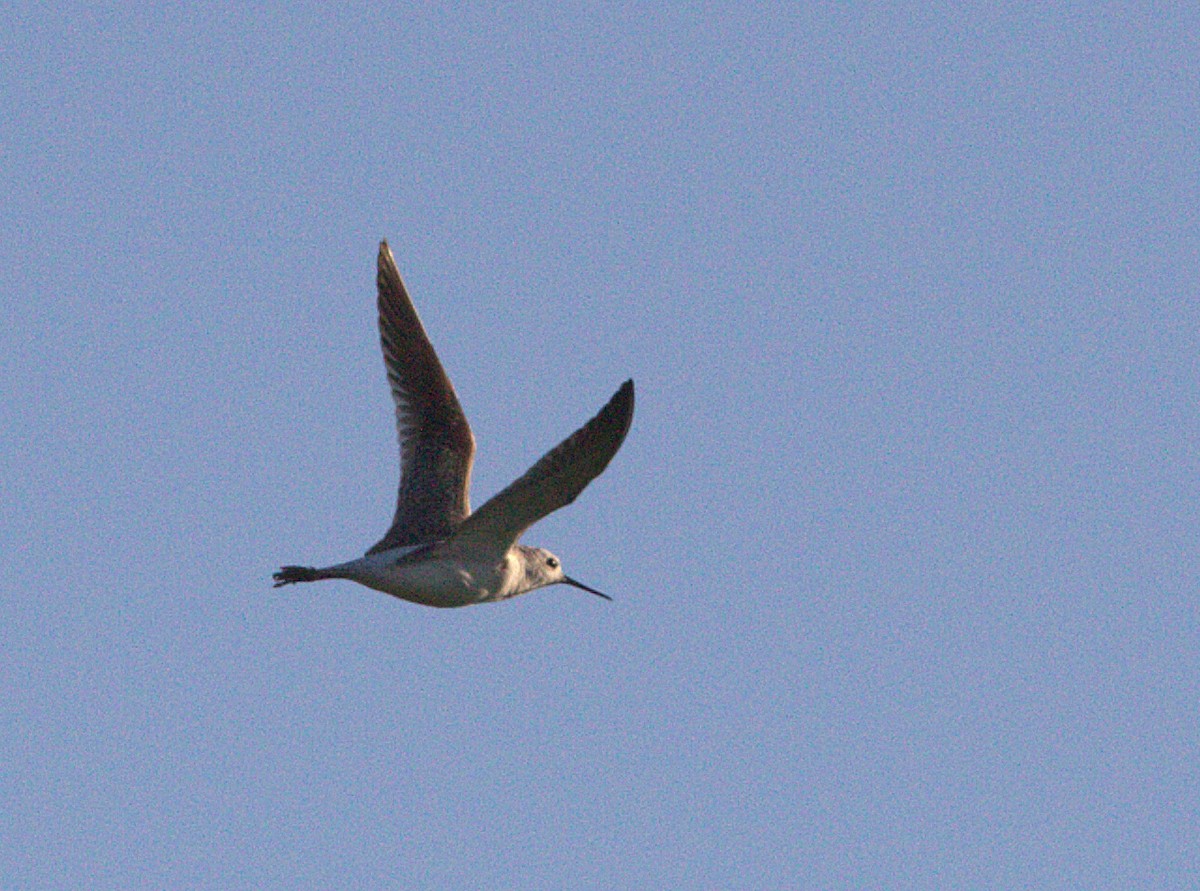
290, 575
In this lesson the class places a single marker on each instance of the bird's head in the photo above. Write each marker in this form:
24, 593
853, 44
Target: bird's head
543, 568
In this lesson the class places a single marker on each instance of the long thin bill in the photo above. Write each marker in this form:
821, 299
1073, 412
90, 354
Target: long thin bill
583, 587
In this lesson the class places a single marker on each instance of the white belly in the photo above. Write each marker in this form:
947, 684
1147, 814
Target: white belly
434, 579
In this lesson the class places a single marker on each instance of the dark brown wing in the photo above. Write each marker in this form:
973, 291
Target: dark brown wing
554, 481
436, 445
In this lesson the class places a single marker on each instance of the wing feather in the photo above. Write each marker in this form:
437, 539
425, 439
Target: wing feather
437, 448
554, 481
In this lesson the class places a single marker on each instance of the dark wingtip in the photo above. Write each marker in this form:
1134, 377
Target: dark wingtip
387, 274
621, 405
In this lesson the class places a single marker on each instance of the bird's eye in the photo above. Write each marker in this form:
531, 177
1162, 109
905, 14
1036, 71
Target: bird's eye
552, 563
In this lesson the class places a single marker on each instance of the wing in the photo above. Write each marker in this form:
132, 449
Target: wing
436, 445
555, 481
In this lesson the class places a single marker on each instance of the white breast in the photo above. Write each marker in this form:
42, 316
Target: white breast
435, 578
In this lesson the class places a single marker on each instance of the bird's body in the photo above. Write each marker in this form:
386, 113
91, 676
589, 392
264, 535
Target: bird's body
431, 575
437, 553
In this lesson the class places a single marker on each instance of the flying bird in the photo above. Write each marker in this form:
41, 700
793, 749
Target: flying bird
437, 552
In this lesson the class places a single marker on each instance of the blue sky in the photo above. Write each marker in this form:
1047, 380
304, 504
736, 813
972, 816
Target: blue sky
903, 540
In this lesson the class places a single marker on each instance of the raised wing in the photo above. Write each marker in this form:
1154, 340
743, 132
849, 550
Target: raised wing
436, 445
555, 481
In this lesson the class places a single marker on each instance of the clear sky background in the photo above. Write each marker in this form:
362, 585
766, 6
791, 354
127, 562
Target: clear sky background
904, 539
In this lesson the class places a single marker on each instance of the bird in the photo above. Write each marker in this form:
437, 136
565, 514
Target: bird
437, 552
